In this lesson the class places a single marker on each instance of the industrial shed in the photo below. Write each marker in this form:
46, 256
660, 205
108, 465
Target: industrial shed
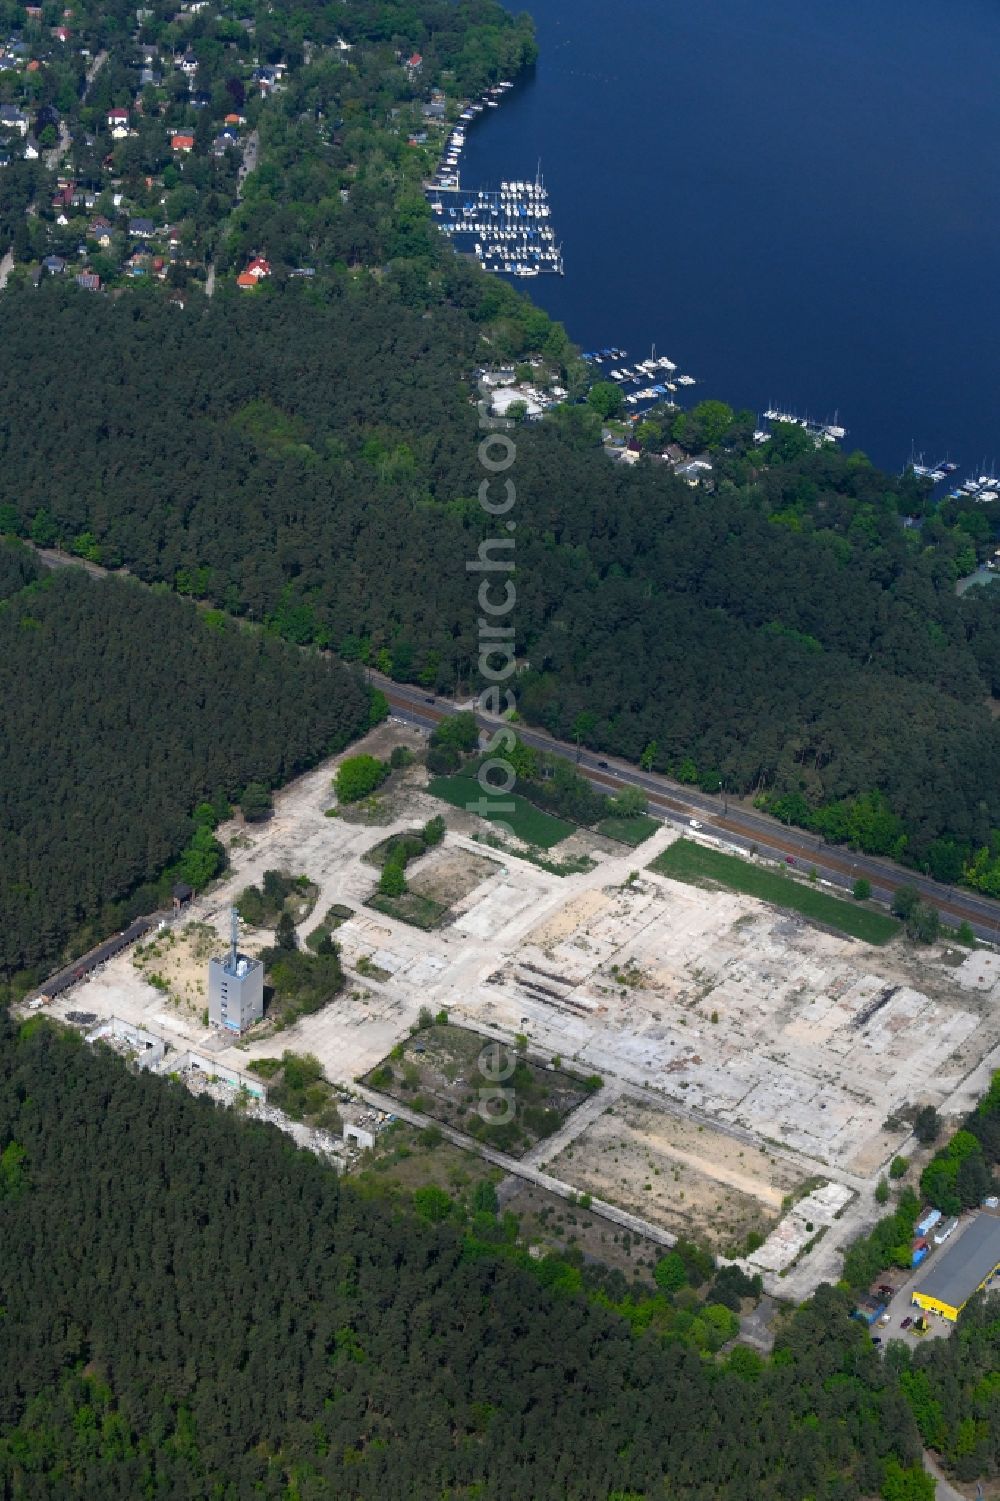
961, 1269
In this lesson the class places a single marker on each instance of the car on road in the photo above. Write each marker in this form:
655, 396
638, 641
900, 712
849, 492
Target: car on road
604, 764
789, 859
428, 700
906, 1323
693, 823
876, 1339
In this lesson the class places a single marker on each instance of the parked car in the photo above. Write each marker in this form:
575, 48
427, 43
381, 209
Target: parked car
876, 1340
694, 823
906, 1323
789, 859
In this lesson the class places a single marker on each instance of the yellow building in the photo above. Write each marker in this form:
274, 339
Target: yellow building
960, 1269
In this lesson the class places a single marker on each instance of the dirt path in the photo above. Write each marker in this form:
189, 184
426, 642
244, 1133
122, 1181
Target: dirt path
945, 1490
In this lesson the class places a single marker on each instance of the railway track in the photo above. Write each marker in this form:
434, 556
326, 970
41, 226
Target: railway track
741, 827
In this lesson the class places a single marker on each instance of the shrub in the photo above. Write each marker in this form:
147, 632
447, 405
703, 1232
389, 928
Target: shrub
898, 1167
862, 889
670, 1273
905, 900
358, 777
392, 881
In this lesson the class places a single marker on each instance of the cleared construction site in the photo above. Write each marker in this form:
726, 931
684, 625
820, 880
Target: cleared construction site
757, 1072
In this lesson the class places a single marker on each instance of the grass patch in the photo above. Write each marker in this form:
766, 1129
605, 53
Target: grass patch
629, 830
686, 861
528, 822
418, 911
335, 915
492, 1091
573, 866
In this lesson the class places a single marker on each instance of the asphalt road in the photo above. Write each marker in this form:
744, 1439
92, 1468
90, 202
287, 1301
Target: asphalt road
726, 818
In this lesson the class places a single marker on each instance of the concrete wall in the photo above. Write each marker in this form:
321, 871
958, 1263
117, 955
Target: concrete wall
210, 1066
149, 1049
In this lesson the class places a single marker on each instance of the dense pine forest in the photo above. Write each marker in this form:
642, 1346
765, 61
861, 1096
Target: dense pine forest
305, 457
193, 1307
310, 460
124, 710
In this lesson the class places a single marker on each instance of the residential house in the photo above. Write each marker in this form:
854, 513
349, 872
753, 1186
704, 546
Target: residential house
54, 264
413, 64
12, 118
265, 79
235, 120
117, 117
141, 229
61, 33
182, 143
256, 272
695, 471
89, 281
32, 150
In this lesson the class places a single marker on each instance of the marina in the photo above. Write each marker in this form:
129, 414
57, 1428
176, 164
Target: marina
936, 473
820, 432
506, 229
655, 379
985, 488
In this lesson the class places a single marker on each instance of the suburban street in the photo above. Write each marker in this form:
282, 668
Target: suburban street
249, 162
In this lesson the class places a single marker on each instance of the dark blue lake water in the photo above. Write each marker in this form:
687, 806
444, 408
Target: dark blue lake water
798, 202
